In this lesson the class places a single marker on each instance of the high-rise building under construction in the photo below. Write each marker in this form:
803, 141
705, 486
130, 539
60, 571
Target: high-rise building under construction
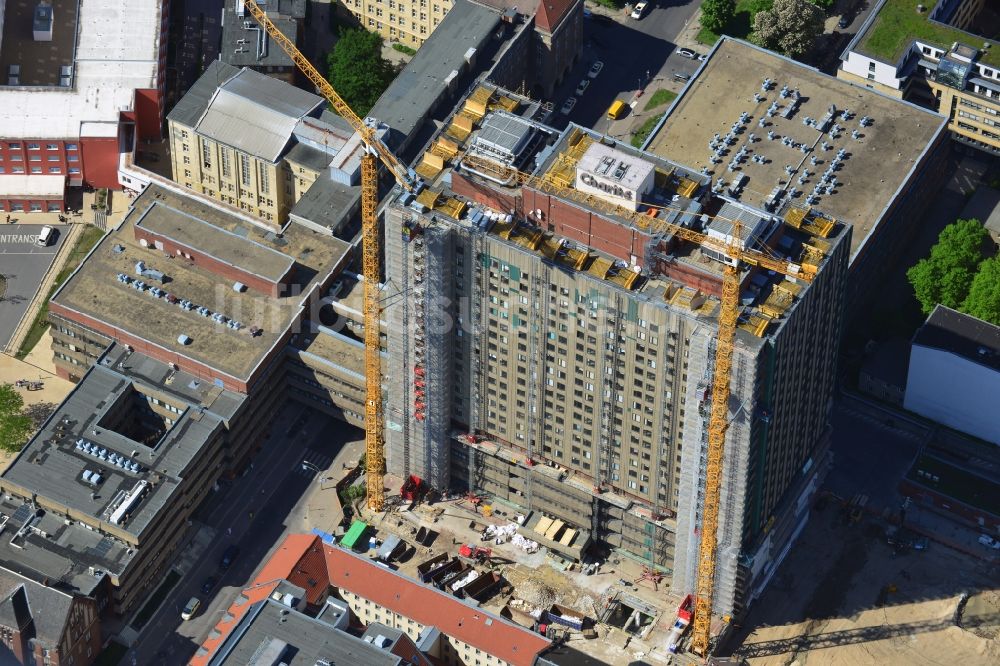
554, 353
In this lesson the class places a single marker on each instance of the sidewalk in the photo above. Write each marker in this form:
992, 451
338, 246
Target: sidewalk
321, 507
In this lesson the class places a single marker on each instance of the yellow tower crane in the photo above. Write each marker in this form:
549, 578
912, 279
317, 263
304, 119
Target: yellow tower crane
370, 249
728, 316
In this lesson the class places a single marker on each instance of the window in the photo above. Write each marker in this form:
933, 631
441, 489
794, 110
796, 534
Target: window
224, 155
265, 181
52, 158
3, 170
17, 169
206, 154
35, 158
32, 146
53, 207
245, 169
54, 169
36, 169
73, 158
14, 146
70, 146
51, 146
35, 207
74, 169
871, 67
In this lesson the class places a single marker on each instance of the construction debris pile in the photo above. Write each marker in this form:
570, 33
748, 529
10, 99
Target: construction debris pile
503, 533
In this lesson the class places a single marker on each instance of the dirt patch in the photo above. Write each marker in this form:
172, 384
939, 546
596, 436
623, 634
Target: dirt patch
981, 615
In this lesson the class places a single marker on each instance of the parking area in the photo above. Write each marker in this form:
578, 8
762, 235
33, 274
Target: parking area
620, 42
23, 264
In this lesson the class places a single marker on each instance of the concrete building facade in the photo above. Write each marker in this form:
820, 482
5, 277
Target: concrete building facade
947, 65
954, 373
557, 357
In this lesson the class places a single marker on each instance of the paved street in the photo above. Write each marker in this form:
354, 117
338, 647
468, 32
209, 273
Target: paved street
24, 264
620, 44
277, 492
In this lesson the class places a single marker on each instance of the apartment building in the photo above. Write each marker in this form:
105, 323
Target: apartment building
40, 625
67, 95
339, 587
407, 22
945, 65
258, 144
557, 356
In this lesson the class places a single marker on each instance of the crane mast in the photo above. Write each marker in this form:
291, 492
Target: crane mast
370, 250
728, 315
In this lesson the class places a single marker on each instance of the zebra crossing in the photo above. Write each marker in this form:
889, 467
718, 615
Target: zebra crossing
310, 461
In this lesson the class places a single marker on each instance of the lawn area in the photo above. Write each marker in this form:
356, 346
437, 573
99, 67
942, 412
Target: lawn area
88, 239
640, 135
966, 487
739, 27
659, 98
154, 601
898, 24
111, 655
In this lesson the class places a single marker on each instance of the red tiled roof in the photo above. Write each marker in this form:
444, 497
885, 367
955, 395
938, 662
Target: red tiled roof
302, 557
428, 606
298, 560
550, 13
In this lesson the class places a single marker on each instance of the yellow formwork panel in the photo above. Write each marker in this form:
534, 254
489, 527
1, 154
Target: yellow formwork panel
476, 104
687, 187
444, 148
796, 216
600, 267
427, 171
428, 198
819, 226
756, 325
451, 207
508, 104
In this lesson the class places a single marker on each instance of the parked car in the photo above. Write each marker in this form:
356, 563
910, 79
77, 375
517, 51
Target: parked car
229, 556
617, 109
209, 584
687, 53
582, 88
568, 106
190, 608
595, 69
640, 10
682, 77
702, 57
843, 22
587, 13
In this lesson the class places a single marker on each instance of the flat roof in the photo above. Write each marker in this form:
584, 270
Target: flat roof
896, 24
220, 244
54, 463
40, 61
327, 203
116, 52
94, 291
61, 559
333, 348
869, 178
31, 185
415, 91
961, 334
252, 47
271, 632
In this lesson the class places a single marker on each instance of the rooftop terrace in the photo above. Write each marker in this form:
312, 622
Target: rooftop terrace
898, 23
865, 180
95, 291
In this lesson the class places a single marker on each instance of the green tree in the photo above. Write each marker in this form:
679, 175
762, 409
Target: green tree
983, 300
716, 14
755, 7
15, 427
790, 27
945, 276
825, 5
358, 72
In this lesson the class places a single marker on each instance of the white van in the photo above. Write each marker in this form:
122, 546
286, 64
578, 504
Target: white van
46, 236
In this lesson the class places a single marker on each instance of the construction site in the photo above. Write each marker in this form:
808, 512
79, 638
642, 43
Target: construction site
554, 301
